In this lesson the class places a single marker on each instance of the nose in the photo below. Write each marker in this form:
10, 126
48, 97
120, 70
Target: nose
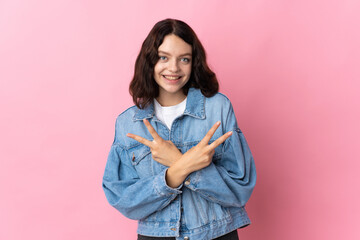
173, 66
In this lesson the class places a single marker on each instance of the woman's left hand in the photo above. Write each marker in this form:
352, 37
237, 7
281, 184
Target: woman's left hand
164, 152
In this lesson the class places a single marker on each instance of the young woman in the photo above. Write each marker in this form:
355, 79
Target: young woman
179, 163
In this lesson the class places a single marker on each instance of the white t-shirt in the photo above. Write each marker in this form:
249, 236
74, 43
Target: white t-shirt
168, 114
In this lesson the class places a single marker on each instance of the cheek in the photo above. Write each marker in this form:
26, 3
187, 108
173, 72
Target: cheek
158, 68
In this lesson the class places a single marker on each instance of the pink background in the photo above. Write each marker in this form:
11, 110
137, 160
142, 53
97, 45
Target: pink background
290, 68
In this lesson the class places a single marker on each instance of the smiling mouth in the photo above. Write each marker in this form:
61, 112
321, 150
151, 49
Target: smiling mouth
172, 78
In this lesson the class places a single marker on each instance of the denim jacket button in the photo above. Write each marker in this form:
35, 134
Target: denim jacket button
187, 182
173, 229
186, 238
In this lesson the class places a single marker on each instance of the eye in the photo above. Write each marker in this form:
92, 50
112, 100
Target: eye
186, 60
162, 58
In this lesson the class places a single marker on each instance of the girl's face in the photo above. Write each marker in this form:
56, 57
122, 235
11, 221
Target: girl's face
173, 69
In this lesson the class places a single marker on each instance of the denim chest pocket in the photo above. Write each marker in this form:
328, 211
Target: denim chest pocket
143, 162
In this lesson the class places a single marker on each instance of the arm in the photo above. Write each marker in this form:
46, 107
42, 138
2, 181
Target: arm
230, 180
180, 166
134, 197
227, 183
196, 158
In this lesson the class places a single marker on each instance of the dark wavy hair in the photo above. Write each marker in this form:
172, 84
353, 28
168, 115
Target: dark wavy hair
143, 87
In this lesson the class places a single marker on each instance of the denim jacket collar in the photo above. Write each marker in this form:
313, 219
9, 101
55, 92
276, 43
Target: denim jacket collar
195, 107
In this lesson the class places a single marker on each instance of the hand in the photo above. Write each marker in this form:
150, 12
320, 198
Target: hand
196, 158
164, 152
201, 155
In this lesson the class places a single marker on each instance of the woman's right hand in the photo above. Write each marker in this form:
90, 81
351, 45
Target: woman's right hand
164, 152
195, 159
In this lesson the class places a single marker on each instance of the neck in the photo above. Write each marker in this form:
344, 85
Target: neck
166, 99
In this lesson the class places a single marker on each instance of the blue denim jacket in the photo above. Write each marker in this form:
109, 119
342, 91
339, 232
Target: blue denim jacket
210, 202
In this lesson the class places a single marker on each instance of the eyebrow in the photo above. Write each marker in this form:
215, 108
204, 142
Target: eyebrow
185, 54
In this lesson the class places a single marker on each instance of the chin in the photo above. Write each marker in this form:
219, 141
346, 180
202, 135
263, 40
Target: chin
172, 89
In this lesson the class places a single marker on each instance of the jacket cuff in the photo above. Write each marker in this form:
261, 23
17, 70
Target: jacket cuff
162, 188
193, 180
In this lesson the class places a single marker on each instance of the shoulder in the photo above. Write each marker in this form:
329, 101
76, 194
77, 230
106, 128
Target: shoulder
123, 125
218, 100
126, 115
220, 97
219, 106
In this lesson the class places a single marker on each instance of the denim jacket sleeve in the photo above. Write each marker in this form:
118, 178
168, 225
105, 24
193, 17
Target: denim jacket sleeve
134, 197
228, 181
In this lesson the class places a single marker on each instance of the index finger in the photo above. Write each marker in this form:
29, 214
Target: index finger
220, 140
210, 133
152, 131
140, 139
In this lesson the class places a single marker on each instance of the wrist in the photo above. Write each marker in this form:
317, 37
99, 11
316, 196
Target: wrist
177, 171
185, 165
175, 176
178, 157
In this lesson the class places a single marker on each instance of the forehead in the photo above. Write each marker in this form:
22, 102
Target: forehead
174, 45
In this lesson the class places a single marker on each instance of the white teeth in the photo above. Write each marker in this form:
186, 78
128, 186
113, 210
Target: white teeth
171, 78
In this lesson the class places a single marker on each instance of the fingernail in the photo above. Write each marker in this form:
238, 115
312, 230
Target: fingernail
218, 122
230, 133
